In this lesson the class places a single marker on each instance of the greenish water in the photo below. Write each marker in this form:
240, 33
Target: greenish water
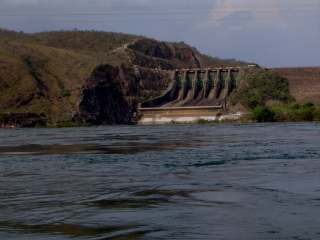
225, 181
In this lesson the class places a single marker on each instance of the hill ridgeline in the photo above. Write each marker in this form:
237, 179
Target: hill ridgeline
87, 77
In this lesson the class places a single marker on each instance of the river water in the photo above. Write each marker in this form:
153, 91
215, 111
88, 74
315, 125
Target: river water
224, 181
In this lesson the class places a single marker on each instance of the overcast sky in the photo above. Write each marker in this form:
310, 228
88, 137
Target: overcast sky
268, 32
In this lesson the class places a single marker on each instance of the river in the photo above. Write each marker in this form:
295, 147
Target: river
219, 181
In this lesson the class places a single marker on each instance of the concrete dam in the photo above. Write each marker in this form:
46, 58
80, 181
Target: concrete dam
192, 95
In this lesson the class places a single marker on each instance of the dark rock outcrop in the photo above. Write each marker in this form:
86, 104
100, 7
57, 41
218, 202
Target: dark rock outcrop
153, 48
109, 96
58, 74
165, 55
13, 120
140, 59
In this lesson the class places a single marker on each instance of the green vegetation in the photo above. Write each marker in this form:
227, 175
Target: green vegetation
204, 121
77, 40
46, 72
64, 91
90, 41
281, 112
296, 112
215, 61
258, 87
263, 114
266, 95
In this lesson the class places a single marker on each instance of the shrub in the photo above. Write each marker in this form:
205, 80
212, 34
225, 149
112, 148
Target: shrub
296, 112
317, 114
305, 112
257, 87
204, 121
65, 93
67, 124
263, 114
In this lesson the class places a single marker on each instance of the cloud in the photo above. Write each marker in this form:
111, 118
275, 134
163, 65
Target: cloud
20, 2
63, 3
260, 11
57, 4
253, 30
246, 10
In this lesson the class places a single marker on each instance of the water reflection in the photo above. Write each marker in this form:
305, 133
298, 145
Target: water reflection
130, 203
161, 182
69, 229
130, 148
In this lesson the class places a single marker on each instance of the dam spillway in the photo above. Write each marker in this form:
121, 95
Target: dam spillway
193, 94
197, 87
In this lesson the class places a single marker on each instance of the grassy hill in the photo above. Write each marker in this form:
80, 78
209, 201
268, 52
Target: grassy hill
46, 73
41, 79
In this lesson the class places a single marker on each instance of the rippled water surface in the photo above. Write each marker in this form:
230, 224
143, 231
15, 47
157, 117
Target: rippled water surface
161, 182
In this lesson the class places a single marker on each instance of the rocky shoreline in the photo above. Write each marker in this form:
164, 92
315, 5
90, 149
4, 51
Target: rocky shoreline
22, 120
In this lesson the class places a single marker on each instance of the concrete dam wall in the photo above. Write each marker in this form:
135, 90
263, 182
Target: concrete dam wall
197, 87
193, 95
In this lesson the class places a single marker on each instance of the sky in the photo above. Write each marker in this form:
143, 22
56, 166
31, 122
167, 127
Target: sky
272, 33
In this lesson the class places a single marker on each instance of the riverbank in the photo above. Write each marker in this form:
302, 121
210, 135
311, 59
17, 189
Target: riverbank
191, 119
291, 112
275, 112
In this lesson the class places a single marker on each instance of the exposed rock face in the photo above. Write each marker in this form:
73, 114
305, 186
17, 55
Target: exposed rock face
13, 120
153, 83
153, 48
58, 74
154, 54
109, 96
151, 62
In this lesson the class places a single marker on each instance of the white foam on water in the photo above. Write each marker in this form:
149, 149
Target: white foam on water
189, 119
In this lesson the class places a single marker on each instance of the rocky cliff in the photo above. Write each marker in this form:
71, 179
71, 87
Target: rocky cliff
111, 94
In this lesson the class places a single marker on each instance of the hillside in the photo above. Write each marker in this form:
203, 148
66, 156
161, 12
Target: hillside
304, 83
60, 75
